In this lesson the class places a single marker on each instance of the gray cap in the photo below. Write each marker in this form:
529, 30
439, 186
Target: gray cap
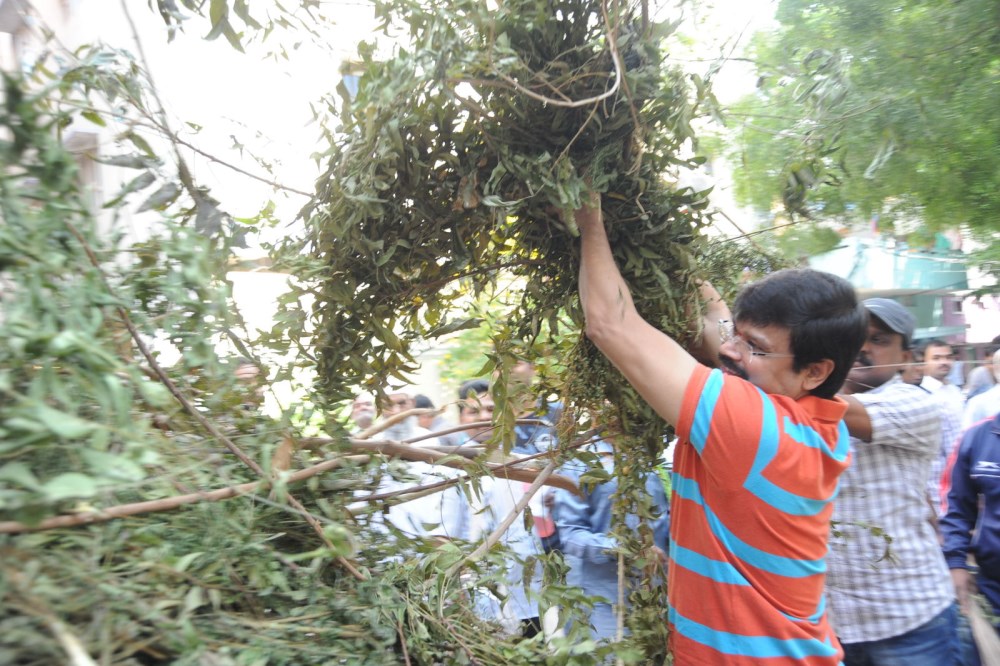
893, 315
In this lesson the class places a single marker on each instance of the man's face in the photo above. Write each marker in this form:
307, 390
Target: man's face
363, 411
396, 403
880, 358
249, 378
762, 355
913, 373
477, 408
938, 361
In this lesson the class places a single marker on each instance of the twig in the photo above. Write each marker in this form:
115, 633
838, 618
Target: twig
503, 470
467, 452
76, 652
620, 610
402, 641
502, 528
616, 58
166, 503
456, 635
161, 375
273, 183
191, 409
405, 492
743, 234
619, 75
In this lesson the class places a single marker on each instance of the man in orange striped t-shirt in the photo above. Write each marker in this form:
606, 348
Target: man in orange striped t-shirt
761, 446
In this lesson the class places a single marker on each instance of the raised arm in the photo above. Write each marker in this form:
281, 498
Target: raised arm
858, 423
652, 362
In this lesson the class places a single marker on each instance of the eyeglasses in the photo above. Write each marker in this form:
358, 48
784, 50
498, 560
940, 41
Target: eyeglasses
727, 333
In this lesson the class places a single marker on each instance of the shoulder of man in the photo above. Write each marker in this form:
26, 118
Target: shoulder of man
980, 439
898, 393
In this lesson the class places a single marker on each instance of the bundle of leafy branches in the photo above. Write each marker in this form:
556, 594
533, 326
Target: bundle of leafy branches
461, 159
141, 518
457, 167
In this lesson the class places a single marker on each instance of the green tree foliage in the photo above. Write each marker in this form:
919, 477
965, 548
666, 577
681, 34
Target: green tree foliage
864, 108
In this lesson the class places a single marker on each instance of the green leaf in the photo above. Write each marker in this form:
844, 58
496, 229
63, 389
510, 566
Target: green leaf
455, 325
184, 561
232, 37
21, 474
140, 182
218, 14
240, 8
111, 465
594, 476
71, 484
94, 118
161, 198
218, 11
63, 424
139, 142
208, 221
155, 394
127, 161
194, 599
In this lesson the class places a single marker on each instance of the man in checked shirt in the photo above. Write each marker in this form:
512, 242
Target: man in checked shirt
890, 593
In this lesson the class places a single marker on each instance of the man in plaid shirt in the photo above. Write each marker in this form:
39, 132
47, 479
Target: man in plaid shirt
891, 598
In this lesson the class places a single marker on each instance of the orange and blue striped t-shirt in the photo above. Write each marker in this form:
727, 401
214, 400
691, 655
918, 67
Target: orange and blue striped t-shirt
754, 480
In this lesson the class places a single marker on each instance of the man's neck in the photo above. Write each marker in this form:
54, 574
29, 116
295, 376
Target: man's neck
852, 388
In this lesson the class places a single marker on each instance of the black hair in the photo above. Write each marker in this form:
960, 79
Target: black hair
933, 342
822, 313
244, 361
471, 388
421, 401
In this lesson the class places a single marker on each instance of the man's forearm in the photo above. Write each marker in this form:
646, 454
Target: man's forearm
653, 363
603, 293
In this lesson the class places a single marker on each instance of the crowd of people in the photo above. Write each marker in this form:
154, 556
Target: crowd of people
834, 498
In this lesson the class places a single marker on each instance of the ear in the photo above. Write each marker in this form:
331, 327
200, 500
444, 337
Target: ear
705, 348
816, 373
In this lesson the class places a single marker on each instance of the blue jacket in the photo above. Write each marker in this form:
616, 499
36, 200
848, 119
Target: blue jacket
584, 522
965, 528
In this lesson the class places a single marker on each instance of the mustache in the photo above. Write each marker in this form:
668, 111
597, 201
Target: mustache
864, 360
731, 366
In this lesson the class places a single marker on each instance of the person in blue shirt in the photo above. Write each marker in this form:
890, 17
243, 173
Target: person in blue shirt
589, 549
971, 525
496, 498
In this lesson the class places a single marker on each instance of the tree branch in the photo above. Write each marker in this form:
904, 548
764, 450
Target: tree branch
169, 503
502, 528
